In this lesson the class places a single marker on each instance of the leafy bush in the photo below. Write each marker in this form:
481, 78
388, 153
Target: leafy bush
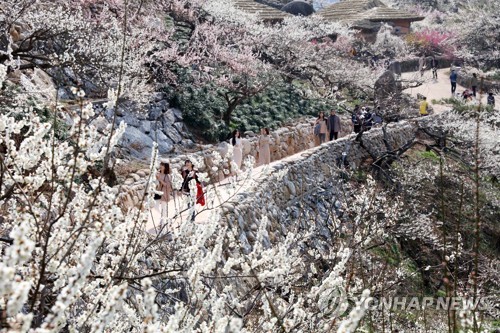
281, 103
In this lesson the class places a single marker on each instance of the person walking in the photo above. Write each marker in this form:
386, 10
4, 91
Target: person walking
453, 81
264, 147
377, 117
237, 148
473, 84
323, 128
188, 173
424, 106
421, 65
355, 119
434, 65
334, 125
491, 100
367, 120
165, 186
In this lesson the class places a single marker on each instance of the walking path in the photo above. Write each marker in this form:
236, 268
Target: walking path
434, 90
177, 208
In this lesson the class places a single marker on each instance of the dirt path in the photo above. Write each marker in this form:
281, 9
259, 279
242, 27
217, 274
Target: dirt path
178, 209
432, 89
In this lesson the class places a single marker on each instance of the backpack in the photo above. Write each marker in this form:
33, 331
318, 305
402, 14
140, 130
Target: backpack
317, 129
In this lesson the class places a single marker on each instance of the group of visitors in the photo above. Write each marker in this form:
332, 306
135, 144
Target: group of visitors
469, 93
324, 126
363, 119
433, 64
164, 178
263, 147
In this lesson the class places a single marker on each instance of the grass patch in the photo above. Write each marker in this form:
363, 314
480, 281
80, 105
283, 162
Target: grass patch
389, 253
431, 155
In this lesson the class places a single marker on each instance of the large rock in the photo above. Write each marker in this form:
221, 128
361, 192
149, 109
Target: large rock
298, 8
165, 145
249, 134
247, 146
100, 123
223, 148
177, 113
130, 120
145, 126
172, 133
138, 143
44, 84
180, 127
187, 143
388, 93
157, 109
168, 118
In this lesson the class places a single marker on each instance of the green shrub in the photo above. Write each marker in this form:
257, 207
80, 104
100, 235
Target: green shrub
203, 107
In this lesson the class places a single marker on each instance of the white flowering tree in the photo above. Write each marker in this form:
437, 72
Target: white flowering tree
476, 30
73, 259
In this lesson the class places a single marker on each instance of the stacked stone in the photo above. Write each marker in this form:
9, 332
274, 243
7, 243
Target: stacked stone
285, 141
311, 173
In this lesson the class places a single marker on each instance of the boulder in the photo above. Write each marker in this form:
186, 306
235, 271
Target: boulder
145, 126
388, 92
129, 119
100, 123
44, 84
298, 8
165, 145
177, 113
187, 143
63, 93
168, 118
247, 146
223, 148
138, 143
172, 133
157, 108
180, 127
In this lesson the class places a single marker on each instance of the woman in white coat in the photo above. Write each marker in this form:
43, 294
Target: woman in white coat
237, 148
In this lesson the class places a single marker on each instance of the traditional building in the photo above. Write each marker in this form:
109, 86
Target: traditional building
263, 12
368, 15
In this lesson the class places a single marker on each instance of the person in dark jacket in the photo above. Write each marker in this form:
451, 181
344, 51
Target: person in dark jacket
188, 173
334, 125
473, 84
367, 120
434, 65
491, 99
356, 122
453, 81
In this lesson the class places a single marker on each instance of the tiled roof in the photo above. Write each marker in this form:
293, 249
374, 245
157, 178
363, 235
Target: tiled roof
353, 11
264, 12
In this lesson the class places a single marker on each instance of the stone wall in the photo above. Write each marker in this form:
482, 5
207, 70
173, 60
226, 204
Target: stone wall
311, 172
412, 65
285, 141
465, 78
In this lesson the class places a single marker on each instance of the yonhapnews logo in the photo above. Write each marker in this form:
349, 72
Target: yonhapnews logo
341, 303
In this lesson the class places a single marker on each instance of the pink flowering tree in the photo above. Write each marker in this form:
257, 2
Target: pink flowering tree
432, 42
